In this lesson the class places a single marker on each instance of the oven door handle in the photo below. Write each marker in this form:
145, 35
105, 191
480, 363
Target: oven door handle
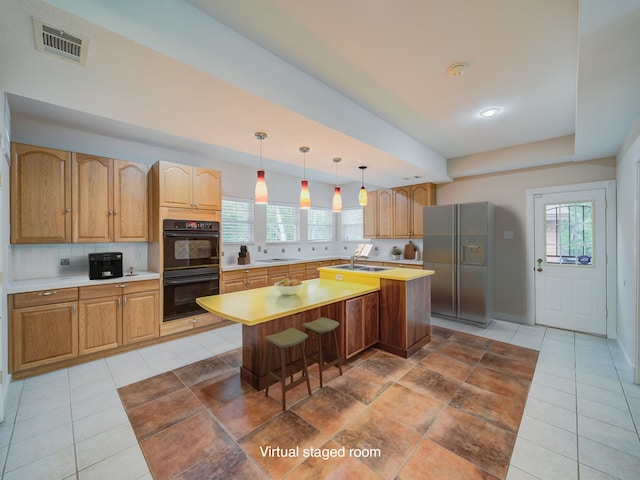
192, 233
186, 281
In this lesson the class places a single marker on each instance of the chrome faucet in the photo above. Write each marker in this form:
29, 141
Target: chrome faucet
361, 252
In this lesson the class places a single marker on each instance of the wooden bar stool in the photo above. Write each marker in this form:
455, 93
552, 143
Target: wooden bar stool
286, 340
321, 326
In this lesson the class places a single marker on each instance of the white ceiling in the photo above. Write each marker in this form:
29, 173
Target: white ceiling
365, 80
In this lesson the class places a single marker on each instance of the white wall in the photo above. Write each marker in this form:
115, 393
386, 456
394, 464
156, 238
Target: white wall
628, 263
507, 192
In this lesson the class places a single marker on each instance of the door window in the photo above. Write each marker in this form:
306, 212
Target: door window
569, 233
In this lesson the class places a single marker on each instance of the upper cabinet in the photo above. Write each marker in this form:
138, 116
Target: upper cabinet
408, 203
40, 195
181, 186
397, 212
378, 214
62, 197
110, 201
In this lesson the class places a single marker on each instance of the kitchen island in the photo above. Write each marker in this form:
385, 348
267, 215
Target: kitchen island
355, 302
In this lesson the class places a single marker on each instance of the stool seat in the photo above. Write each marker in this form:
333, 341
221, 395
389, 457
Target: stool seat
287, 338
321, 325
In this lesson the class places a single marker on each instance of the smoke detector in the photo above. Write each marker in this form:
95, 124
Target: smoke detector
456, 69
59, 43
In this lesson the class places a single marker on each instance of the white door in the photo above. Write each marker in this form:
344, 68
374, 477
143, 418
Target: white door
570, 260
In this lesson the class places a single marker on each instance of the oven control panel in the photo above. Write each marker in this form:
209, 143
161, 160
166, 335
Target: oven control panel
190, 225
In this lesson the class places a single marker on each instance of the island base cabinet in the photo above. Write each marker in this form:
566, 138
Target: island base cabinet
361, 324
45, 334
411, 302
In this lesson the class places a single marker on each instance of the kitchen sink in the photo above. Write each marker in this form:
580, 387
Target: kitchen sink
361, 268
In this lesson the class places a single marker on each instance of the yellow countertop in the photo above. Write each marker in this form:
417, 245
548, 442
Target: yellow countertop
373, 278
259, 305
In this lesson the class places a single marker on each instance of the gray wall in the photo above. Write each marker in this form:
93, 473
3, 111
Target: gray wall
507, 192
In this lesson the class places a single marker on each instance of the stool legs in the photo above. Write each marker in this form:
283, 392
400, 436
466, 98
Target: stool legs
285, 360
321, 362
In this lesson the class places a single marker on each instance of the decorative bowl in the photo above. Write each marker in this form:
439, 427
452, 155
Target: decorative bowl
288, 289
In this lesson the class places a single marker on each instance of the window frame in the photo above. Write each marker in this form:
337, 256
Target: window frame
330, 224
250, 221
342, 224
296, 225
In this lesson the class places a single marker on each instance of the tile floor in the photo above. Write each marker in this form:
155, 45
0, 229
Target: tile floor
579, 420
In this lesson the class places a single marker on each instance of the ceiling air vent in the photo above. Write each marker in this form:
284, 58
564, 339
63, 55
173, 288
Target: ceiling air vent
55, 41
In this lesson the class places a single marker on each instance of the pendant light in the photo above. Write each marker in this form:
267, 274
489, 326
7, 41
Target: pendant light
362, 197
305, 197
336, 205
261, 194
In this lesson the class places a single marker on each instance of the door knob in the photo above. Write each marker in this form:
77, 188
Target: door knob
539, 269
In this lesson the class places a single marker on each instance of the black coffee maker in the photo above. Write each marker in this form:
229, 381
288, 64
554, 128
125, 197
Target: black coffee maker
105, 265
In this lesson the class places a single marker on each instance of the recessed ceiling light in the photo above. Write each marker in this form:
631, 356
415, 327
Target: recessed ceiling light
490, 112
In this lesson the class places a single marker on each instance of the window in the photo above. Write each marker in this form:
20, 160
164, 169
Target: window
319, 225
237, 221
569, 236
352, 222
282, 223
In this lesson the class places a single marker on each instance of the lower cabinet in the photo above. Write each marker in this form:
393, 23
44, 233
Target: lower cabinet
52, 326
44, 334
238, 280
189, 323
361, 324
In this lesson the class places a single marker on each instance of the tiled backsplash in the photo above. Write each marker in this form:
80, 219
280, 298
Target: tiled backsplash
44, 261
309, 251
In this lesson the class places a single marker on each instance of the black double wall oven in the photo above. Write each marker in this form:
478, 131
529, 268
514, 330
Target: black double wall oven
191, 266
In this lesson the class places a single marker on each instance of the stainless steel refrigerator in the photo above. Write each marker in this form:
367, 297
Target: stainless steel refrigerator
458, 246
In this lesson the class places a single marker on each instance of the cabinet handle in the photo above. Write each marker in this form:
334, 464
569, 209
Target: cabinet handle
74, 308
67, 210
124, 301
110, 212
115, 212
122, 285
46, 294
118, 303
194, 321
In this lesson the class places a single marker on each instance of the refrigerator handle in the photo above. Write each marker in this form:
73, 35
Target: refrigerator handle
458, 257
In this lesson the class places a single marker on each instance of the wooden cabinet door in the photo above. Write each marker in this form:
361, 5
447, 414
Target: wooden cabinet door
401, 212
370, 319
207, 189
92, 198
140, 317
353, 328
44, 334
175, 187
99, 324
130, 202
385, 213
370, 216
40, 195
422, 195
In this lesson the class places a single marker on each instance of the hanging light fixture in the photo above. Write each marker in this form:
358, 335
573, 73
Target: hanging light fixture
305, 197
336, 205
261, 194
362, 197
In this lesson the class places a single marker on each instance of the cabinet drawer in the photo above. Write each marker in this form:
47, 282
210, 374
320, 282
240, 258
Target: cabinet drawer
244, 273
120, 288
45, 297
140, 286
279, 270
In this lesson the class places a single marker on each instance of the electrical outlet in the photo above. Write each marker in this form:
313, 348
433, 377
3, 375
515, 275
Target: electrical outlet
65, 261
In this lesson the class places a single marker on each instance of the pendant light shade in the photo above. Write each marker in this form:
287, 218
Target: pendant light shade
362, 197
261, 194
336, 204
305, 196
